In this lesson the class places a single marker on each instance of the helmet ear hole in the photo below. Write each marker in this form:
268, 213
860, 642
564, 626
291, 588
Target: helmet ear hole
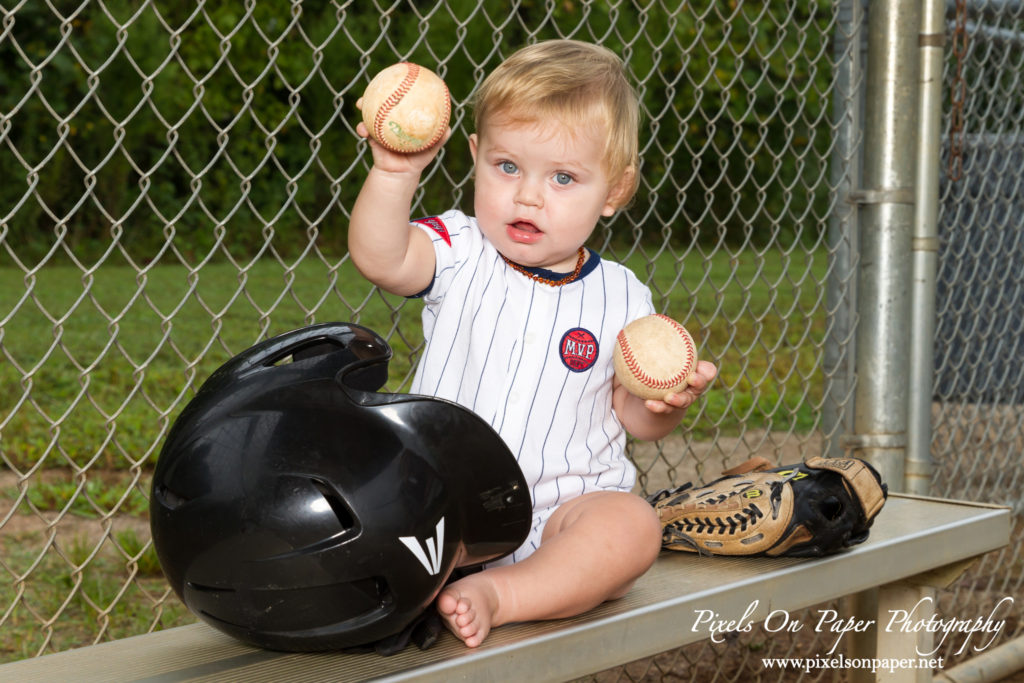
345, 517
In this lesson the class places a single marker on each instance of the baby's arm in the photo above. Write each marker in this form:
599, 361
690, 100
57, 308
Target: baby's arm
386, 249
653, 420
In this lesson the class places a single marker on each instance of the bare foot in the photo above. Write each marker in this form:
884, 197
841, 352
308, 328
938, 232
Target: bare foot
469, 607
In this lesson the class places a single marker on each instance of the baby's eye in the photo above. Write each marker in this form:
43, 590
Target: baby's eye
508, 167
563, 178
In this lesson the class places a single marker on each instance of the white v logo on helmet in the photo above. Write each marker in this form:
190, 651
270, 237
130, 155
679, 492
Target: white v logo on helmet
431, 559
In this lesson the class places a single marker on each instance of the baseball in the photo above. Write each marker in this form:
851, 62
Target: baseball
654, 356
406, 108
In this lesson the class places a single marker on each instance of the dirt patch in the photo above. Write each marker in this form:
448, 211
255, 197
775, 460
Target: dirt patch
19, 522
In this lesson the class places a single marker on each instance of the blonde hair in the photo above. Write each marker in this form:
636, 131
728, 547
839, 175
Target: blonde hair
576, 84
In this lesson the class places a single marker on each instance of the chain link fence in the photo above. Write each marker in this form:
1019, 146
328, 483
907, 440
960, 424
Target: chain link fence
177, 181
977, 417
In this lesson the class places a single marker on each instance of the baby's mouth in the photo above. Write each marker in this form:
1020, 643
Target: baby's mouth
524, 232
525, 226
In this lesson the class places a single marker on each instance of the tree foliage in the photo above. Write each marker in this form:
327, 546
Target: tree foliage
142, 127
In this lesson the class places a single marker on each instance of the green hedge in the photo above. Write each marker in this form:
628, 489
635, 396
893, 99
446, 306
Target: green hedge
128, 123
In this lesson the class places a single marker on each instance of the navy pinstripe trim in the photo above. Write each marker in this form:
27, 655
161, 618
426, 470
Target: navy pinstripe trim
490, 344
515, 373
575, 424
604, 431
552, 334
472, 258
593, 409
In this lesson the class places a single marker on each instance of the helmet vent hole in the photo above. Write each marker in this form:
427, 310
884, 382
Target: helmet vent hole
169, 498
339, 508
383, 591
318, 347
200, 588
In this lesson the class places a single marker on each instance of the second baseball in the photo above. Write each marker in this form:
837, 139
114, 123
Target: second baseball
654, 356
406, 108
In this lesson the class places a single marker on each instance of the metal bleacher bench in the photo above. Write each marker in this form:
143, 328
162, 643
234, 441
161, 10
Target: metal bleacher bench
916, 544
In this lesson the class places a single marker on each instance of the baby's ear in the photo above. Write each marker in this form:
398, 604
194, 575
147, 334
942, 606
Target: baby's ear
621, 192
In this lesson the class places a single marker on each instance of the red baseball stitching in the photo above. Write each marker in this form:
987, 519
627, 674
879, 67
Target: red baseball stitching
412, 72
634, 365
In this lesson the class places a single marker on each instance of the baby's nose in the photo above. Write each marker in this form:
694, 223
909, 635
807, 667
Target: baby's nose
529, 194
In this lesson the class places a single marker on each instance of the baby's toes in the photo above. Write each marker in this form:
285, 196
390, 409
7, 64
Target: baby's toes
466, 621
448, 603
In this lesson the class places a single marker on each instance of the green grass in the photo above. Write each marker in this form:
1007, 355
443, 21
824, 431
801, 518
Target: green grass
96, 366
95, 370
77, 593
93, 498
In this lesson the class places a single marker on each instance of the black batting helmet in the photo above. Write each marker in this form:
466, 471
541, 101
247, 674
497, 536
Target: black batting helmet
296, 508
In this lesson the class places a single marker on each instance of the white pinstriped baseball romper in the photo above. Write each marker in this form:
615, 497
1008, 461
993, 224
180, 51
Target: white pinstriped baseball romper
532, 359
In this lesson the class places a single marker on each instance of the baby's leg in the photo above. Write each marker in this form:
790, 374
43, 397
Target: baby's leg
593, 549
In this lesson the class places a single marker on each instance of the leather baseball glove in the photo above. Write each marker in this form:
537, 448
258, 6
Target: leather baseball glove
815, 508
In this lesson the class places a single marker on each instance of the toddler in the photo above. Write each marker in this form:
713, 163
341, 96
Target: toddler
520, 319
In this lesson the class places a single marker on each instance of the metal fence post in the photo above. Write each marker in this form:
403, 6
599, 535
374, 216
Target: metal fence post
886, 199
887, 219
925, 247
847, 110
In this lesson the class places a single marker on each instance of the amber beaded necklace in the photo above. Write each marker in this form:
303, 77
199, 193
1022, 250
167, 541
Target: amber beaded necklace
571, 277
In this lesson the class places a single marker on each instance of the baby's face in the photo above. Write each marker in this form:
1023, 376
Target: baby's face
540, 191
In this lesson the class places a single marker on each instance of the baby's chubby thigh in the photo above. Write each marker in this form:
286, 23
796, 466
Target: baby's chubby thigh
614, 535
